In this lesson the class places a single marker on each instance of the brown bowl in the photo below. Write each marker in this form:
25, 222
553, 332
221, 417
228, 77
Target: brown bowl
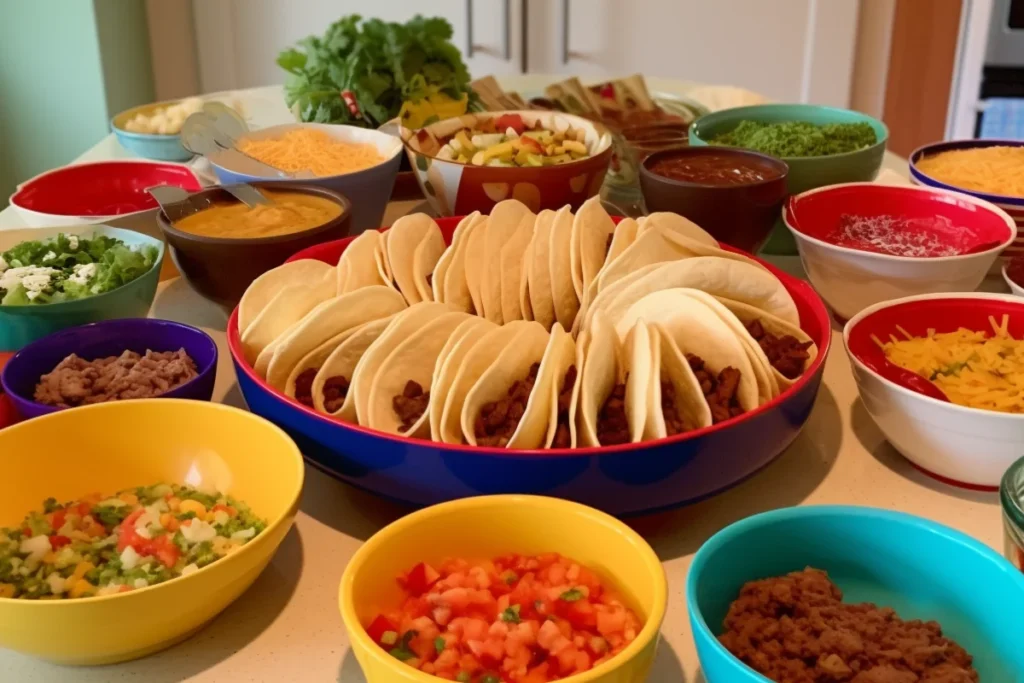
222, 268
739, 215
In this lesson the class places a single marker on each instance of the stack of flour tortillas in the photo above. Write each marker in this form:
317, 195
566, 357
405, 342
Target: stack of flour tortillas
548, 330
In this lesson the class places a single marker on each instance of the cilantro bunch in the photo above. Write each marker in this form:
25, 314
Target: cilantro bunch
382, 64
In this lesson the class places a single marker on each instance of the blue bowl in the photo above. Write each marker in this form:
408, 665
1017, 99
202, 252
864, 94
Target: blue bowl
369, 188
624, 480
148, 145
20, 325
103, 339
921, 569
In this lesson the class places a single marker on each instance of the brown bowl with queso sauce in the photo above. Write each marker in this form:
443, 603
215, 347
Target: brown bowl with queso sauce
220, 250
734, 194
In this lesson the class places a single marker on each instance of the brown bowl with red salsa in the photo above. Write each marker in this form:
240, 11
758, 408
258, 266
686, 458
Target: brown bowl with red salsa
734, 194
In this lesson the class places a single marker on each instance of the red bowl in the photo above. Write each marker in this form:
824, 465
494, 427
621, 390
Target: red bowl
628, 479
101, 189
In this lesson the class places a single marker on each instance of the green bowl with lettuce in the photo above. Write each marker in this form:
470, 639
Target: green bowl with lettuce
52, 278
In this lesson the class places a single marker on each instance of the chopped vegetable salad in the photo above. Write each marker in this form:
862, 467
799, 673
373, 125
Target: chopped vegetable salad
508, 141
136, 538
516, 619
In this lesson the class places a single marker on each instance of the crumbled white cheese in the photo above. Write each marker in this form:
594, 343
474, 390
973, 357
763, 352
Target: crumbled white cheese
57, 583
82, 273
189, 569
129, 558
72, 242
32, 278
243, 535
49, 256
197, 531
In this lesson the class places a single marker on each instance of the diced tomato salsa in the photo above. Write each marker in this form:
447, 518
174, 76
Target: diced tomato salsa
515, 619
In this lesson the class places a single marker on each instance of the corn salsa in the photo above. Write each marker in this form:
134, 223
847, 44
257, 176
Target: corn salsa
516, 619
136, 538
289, 213
508, 141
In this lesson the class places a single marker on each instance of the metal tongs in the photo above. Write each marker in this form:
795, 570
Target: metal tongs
214, 132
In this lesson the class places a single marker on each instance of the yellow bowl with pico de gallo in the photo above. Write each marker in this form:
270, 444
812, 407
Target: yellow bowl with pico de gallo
504, 588
121, 533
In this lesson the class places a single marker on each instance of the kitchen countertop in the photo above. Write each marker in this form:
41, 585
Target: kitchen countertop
287, 626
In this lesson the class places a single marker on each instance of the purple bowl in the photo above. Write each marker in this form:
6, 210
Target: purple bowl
108, 338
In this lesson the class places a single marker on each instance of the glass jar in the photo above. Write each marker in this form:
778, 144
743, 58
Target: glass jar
1011, 494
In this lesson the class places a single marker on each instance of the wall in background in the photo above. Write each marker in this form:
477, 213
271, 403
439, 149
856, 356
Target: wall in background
66, 66
871, 56
173, 40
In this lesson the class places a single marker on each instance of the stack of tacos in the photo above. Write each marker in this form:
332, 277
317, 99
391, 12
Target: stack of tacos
548, 330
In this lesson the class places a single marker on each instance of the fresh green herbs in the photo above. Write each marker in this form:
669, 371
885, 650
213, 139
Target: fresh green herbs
799, 138
377, 65
401, 651
511, 614
571, 595
439, 644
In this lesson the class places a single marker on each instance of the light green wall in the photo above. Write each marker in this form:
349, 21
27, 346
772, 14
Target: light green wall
66, 67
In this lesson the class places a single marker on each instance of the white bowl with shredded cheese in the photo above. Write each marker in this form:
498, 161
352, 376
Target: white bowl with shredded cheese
890, 256
959, 444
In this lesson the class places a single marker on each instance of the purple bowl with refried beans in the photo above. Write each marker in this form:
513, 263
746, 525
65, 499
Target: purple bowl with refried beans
149, 358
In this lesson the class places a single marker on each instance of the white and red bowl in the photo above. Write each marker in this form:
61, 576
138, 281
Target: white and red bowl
962, 446
851, 279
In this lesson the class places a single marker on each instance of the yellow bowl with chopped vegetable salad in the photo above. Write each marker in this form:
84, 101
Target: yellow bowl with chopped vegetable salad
124, 533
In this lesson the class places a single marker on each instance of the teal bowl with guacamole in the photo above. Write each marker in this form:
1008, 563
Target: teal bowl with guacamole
827, 152
52, 278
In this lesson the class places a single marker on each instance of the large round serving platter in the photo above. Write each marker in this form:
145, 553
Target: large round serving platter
625, 480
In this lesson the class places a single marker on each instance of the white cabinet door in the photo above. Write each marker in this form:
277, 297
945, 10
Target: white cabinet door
788, 50
238, 40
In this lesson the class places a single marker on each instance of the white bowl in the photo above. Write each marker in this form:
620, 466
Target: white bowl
1014, 287
965, 446
850, 280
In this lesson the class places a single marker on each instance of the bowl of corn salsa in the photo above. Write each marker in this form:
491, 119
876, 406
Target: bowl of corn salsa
504, 589
139, 516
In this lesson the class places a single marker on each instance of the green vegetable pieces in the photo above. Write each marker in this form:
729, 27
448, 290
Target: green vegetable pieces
799, 138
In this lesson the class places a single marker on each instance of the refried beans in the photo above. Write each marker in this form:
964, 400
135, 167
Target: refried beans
797, 629
76, 381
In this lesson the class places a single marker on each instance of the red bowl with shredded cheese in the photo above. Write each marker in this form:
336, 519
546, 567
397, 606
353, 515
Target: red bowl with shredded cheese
894, 241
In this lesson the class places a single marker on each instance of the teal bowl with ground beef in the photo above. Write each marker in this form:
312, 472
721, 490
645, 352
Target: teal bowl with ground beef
805, 172
23, 324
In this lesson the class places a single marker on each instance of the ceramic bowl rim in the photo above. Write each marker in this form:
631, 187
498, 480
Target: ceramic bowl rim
817, 306
258, 541
772, 517
753, 108
168, 228
950, 145
790, 223
686, 150
970, 413
199, 336
150, 241
385, 536
1014, 287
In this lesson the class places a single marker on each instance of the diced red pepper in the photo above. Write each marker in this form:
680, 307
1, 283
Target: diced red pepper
420, 578
378, 627
531, 145
58, 518
513, 121
58, 541
161, 547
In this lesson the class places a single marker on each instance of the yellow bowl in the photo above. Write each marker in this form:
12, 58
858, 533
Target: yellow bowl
113, 446
490, 526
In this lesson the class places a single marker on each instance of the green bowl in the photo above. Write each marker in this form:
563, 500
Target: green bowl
20, 325
805, 173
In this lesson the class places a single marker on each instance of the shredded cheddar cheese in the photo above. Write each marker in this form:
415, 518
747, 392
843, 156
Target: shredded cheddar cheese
994, 170
973, 368
312, 150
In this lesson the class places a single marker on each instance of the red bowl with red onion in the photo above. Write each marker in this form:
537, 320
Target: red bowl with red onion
863, 243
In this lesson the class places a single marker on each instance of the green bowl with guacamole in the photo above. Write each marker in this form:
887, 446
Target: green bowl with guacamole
822, 146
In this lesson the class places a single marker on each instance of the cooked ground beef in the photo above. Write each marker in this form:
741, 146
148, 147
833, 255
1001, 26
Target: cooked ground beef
335, 391
76, 381
410, 404
612, 423
430, 279
673, 422
608, 244
797, 629
563, 438
304, 386
719, 392
787, 354
497, 421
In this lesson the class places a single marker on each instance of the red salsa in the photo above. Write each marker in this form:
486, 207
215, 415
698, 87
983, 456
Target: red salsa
722, 169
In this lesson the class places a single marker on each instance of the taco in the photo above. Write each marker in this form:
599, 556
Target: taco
266, 287
625, 234
538, 275
403, 244
448, 363
449, 280
511, 269
563, 294
381, 259
787, 348
290, 305
475, 240
400, 392
676, 403
508, 405
562, 363
357, 267
603, 418
326, 321
330, 387
638, 360
592, 228
502, 225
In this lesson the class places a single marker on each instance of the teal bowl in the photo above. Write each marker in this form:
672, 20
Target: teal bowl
805, 173
20, 325
921, 569
148, 145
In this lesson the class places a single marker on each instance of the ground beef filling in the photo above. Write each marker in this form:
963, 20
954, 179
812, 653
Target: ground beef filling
410, 404
787, 354
796, 629
612, 423
430, 279
76, 381
608, 244
720, 392
563, 437
673, 421
335, 391
304, 386
497, 421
